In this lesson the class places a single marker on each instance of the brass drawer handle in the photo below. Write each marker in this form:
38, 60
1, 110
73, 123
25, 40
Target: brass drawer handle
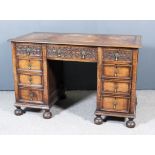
29, 65
115, 88
59, 53
28, 51
116, 56
31, 95
30, 80
83, 54
116, 72
114, 104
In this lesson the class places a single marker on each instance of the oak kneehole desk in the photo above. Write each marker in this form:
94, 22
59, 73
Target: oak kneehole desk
39, 83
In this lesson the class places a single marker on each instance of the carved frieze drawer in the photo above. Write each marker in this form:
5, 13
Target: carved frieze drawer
117, 54
72, 53
23, 49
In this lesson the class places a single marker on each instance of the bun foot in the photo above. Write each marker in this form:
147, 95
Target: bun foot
130, 123
47, 115
98, 120
18, 112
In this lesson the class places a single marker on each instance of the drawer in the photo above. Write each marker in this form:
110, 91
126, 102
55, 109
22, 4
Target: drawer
28, 50
117, 71
116, 87
117, 55
31, 80
29, 64
72, 53
115, 104
30, 95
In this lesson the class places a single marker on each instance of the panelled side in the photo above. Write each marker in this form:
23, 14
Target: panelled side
134, 80
14, 62
99, 77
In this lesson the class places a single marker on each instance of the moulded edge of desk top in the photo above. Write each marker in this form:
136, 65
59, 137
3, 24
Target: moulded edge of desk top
98, 40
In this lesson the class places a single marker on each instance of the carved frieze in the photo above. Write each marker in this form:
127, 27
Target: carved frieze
28, 49
117, 55
71, 52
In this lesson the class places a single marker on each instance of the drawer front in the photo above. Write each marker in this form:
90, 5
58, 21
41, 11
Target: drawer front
33, 80
117, 55
29, 64
115, 104
29, 95
72, 52
28, 50
118, 87
117, 71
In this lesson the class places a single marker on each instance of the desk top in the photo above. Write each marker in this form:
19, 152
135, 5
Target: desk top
130, 41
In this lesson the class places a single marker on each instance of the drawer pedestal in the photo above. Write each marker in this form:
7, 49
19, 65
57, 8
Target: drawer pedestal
32, 72
117, 69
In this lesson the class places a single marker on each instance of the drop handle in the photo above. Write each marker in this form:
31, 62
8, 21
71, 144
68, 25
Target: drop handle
30, 80
114, 104
116, 72
115, 88
83, 54
29, 65
59, 53
31, 95
116, 56
28, 51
